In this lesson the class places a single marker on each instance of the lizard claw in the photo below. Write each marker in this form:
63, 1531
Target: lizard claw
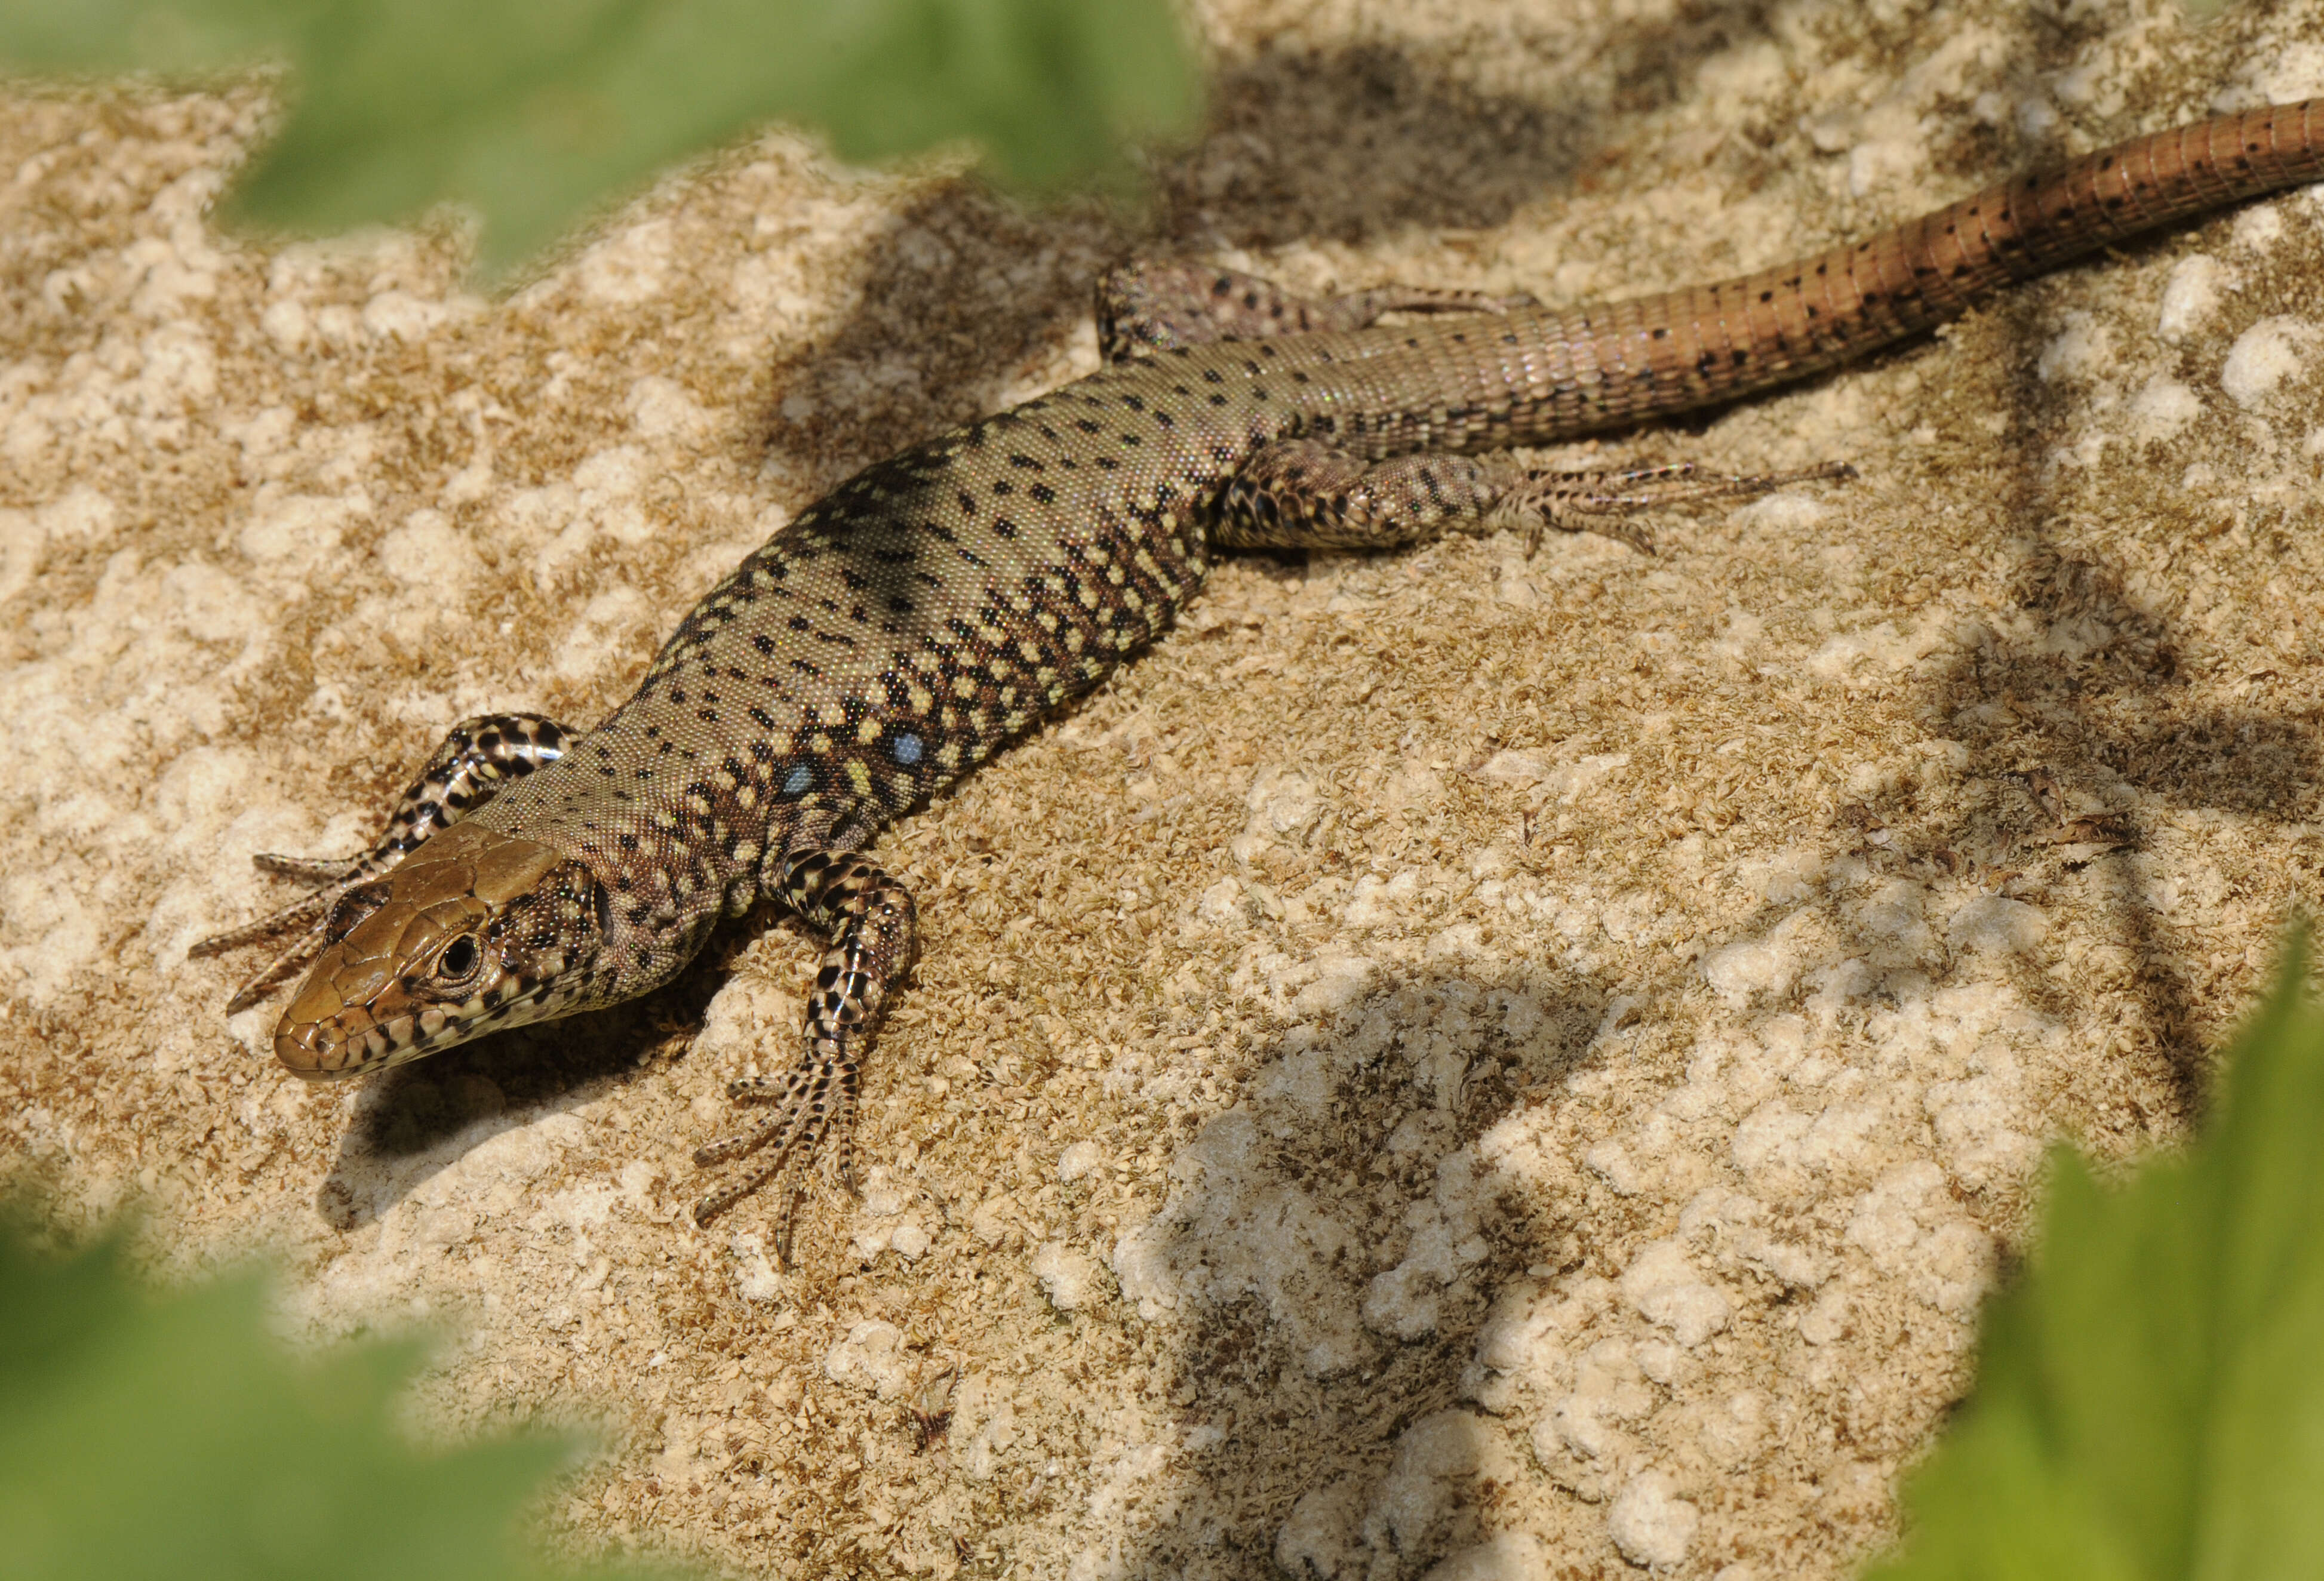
815, 1107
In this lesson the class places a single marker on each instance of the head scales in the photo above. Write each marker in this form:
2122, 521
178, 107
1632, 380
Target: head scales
473, 932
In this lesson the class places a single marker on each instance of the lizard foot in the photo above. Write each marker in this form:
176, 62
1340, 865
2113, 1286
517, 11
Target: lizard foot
1149, 306
332, 876
1600, 502
814, 1103
478, 758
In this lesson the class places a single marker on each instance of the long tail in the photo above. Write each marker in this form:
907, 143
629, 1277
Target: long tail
1609, 365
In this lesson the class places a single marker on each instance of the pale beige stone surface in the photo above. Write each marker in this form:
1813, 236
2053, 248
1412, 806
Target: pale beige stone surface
1457, 1062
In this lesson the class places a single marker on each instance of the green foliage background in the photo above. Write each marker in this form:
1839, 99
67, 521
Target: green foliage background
144, 1436
2150, 1399
535, 111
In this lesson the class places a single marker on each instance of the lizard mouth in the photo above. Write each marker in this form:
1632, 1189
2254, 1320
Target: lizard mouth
330, 1031
372, 1037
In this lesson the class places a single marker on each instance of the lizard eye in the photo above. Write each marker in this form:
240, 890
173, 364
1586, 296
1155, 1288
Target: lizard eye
458, 959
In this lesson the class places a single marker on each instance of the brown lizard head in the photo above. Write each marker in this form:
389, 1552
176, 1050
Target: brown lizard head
473, 932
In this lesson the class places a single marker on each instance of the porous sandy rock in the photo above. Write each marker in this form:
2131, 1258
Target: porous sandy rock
1491, 1062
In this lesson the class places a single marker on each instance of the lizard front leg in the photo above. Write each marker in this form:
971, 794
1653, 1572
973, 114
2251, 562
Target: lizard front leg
872, 924
1302, 493
1145, 307
478, 758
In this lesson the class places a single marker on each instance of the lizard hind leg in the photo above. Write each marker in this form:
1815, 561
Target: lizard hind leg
1305, 493
476, 758
1146, 306
1605, 501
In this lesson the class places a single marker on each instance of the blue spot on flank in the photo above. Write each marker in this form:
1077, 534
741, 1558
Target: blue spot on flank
801, 777
907, 749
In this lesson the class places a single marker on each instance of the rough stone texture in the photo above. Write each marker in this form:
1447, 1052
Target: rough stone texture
1454, 1063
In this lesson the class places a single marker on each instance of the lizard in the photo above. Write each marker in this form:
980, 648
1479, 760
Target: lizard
939, 604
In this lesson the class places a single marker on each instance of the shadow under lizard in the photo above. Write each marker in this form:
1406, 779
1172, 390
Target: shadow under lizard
936, 605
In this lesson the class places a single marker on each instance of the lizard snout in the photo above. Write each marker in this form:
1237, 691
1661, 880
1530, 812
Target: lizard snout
362, 1004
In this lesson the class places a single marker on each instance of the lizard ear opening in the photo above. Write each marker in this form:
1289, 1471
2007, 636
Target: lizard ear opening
556, 916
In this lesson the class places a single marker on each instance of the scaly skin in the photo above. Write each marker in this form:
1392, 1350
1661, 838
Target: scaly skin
908, 625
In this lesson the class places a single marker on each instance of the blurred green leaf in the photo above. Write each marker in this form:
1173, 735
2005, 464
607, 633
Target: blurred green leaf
534, 110
2150, 1400
150, 1436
